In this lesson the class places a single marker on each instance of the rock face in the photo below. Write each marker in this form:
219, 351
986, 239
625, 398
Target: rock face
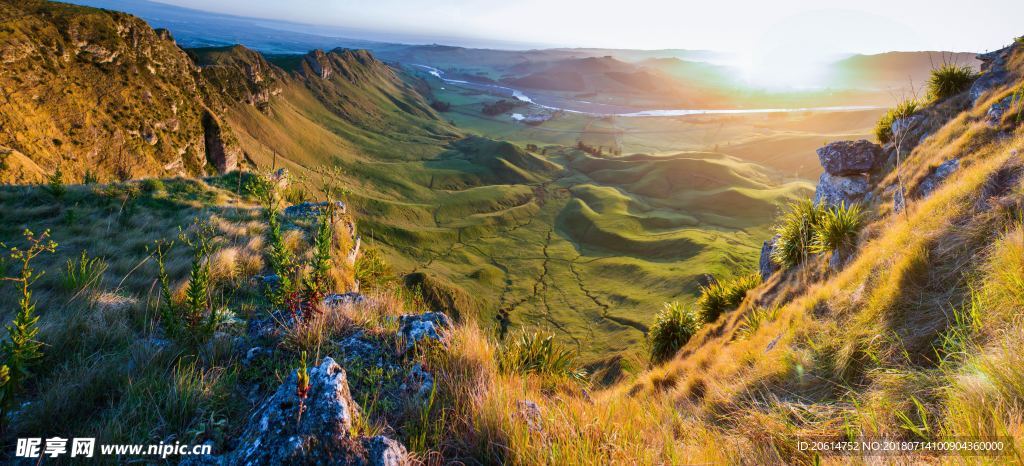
415, 328
844, 158
219, 153
319, 63
932, 181
767, 266
276, 434
834, 190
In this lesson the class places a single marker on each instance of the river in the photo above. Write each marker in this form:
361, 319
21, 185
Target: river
552, 102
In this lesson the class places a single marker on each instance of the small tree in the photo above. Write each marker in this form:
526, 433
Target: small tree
22, 350
55, 184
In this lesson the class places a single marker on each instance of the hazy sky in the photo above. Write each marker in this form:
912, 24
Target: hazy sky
754, 26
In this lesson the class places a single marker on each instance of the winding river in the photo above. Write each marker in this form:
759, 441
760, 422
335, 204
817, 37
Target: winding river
551, 102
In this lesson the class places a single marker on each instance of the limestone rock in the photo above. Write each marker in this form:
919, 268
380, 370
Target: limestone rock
993, 72
834, 190
416, 328
932, 181
277, 434
843, 158
997, 110
767, 266
341, 299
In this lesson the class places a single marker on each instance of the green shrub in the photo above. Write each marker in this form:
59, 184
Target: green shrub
316, 284
372, 270
725, 295
85, 272
89, 177
837, 229
796, 233
755, 319
533, 353
152, 185
949, 80
672, 328
883, 129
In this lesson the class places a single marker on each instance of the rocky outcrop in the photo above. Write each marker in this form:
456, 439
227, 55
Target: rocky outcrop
993, 72
278, 433
767, 266
834, 190
844, 158
319, 63
416, 328
995, 113
312, 209
846, 164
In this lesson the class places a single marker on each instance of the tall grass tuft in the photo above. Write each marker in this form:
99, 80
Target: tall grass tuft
949, 80
725, 295
837, 229
796, 233
904, 109
83, 273
672, 328
533, 353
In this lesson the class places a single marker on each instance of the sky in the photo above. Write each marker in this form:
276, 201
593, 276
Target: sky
755, 27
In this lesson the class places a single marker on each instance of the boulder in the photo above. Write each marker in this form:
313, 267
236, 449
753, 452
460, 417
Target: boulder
833, 190
933, 180
415, 328
908, 129
278, 434
843, 158
767, 266
312, 209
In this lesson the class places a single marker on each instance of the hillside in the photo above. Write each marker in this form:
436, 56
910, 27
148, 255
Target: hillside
100, 90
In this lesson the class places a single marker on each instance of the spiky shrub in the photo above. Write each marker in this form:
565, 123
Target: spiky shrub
949, 80
21, 349
904, 109
83, 273
837, 229
198, 314
672, 328
755, 319
281, 262
315, 284
168, 313
533, 353
55, 184
796, 233
725, 295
